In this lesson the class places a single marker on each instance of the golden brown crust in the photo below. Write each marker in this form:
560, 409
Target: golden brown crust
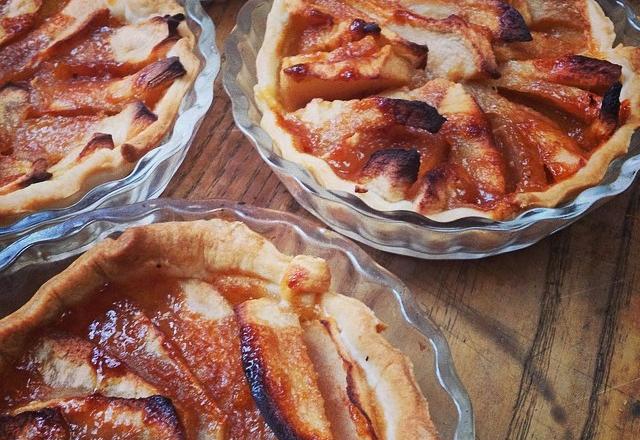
199, 251
71, 177
571, 77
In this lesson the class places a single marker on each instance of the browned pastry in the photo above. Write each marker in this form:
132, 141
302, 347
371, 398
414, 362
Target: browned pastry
86, 88
202, 330
448, 108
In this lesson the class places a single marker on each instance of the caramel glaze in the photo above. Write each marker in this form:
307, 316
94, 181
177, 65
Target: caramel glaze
210, 350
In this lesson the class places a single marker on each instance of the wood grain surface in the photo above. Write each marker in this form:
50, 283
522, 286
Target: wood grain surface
546, 340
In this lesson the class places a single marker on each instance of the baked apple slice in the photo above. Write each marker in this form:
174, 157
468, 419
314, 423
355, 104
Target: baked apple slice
110, 96
356, 69
204, 331
67, 366
125, 333
501, 19
538, 152
358, 333
281, 376
457, 50
571, 70
97, 417
18, 59
346, 393
16, 17
122, 50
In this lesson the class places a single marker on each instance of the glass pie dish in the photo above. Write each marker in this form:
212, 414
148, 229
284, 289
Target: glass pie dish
154, 170
406, 232
31, 260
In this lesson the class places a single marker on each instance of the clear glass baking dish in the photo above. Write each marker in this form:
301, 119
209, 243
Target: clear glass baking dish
153, 172
405, 232
27, 263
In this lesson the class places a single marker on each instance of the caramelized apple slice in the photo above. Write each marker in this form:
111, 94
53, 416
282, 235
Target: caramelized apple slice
125, 333
331, 130
54, 137
456, 49
579, 103
204, 330
97, 417
108, 95
384, 368
18, 59
325, 25
358, 68
68, 366
14, 102
544, 45
122, 50
571, 70
549, 13
16, 17
283, 381
47, 423
467, 132
534, 145
390, 172
501, 19
339, 381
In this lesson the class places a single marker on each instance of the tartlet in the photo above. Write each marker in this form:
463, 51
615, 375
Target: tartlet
203, 330
449, 109
86, 89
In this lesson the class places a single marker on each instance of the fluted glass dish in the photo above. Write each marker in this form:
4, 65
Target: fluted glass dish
155, 169
27, 263
406, 232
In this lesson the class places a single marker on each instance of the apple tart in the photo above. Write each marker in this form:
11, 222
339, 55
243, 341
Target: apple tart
448, 108
86, 89
201, 330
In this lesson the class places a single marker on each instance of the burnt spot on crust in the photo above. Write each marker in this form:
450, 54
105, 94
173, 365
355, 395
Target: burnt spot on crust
416, 114
173, 21
315, 17
298, 71
143, 115
97, 142
160, 72
47, 423
130, 153
512, 25
610, 108
399, 165
160, 409
255, 372
361, 27
38, 172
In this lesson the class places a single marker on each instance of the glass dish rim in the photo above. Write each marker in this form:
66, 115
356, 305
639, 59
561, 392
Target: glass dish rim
135, 214
626, 166
175, 144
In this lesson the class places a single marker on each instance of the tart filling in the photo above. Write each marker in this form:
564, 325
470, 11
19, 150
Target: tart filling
202, 330
86, 89
448, 108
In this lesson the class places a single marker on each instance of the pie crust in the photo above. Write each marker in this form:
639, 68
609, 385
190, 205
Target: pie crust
160, 323
514, 104
86, 89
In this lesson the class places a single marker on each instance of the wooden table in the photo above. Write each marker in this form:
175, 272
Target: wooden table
546, 340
